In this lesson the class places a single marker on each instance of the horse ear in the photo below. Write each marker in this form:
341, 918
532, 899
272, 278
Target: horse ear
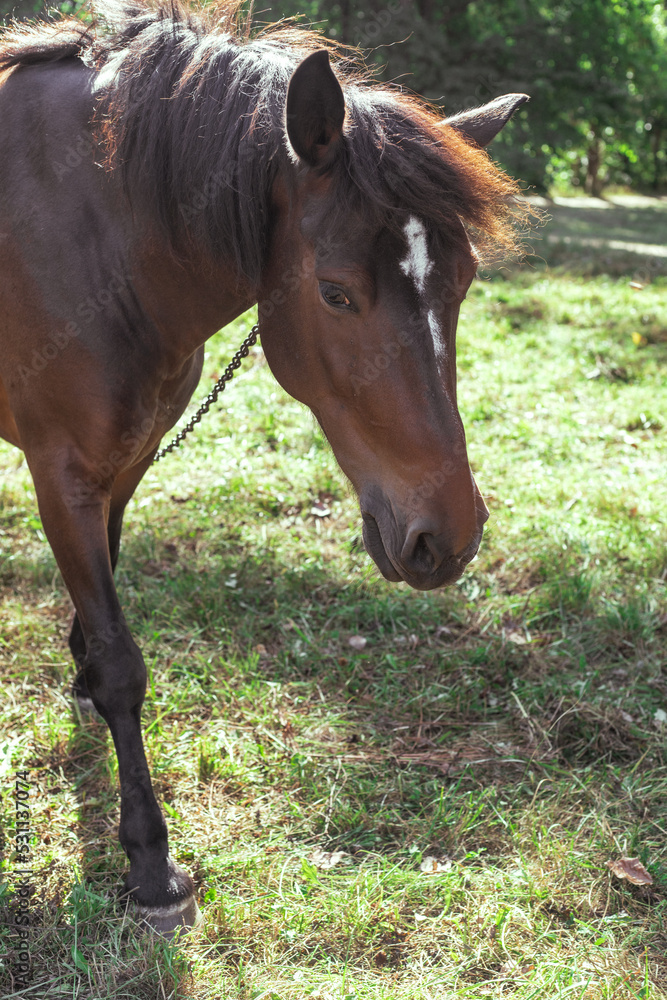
481, 125
315, 110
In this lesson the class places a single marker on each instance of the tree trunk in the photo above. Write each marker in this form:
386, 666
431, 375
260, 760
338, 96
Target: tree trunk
593, 183
656, 145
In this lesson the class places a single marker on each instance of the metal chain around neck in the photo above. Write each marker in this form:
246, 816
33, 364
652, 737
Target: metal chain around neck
219, 386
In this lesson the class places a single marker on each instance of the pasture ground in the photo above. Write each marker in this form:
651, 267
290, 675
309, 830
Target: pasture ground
513, 727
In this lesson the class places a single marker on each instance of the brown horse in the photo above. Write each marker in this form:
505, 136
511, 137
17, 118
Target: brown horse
161, 172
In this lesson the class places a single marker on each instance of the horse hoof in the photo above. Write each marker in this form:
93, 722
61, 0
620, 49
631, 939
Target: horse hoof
167, 920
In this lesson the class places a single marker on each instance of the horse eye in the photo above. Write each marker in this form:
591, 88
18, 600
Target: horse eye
334, 295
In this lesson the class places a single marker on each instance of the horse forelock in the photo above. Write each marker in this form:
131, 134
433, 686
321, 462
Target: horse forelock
404, 161
191, 111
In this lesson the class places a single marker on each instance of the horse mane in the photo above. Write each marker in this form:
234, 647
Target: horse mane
191, 112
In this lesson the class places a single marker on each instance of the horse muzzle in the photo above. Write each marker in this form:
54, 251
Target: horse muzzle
422, 554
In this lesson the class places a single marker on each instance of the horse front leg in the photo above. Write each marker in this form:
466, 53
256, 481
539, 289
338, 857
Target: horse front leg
115, 675
122, 491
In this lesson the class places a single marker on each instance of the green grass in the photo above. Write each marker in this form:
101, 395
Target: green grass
512, 727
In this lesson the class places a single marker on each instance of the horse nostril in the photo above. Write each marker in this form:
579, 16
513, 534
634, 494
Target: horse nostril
421, 550
425, 549
428, 553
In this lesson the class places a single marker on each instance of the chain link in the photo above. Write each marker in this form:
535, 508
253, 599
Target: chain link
227, 376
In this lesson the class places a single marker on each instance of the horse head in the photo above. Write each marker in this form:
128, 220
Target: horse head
358, 312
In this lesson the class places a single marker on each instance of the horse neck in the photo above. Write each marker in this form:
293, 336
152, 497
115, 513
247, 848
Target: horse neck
187, 299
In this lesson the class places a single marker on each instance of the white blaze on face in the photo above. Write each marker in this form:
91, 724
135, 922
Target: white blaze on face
418, 265
436, 333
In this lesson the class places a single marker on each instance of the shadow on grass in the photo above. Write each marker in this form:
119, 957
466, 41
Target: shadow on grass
593, 236
82, 940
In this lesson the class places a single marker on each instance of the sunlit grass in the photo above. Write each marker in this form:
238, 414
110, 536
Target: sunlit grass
512, 727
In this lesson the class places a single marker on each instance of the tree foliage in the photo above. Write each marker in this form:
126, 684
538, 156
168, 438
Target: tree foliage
596, 71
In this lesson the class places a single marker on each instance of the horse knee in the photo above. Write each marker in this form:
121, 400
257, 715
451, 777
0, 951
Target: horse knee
116, 675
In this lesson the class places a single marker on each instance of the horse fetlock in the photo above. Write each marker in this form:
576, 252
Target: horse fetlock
164, 895
142, 855
142, 833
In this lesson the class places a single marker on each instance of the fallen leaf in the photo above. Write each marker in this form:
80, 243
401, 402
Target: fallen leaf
320, 509
512, 968
517, 639
357, 641
328, 859
632, 869
435, 866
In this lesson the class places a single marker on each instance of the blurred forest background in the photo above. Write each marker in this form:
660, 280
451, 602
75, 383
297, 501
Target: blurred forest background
596, 71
